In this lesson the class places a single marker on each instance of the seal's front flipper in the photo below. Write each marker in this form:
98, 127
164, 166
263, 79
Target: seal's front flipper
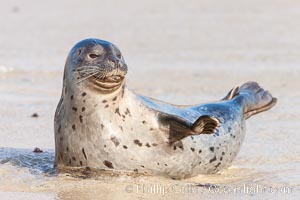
205, 125
180, 128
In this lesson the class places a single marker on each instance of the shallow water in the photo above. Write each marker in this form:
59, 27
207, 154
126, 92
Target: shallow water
179, 52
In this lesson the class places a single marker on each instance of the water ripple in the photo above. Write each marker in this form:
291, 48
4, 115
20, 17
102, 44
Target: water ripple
35, 162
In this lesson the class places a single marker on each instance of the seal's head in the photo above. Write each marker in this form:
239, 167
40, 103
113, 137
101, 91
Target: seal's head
96, 64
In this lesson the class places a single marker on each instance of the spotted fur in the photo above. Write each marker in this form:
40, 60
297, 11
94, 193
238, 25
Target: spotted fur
126, 132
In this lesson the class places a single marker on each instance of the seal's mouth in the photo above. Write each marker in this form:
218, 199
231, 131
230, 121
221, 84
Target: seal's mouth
111, 79
107, 84
106, 78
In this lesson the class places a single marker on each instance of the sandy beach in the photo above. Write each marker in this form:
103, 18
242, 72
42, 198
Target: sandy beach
184, 52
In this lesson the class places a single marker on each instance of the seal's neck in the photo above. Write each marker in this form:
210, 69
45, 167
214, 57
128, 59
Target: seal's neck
86, 98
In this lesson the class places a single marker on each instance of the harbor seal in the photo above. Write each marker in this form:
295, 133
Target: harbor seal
100, 124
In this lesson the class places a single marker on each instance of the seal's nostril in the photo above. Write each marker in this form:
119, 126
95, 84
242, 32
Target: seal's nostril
119, 55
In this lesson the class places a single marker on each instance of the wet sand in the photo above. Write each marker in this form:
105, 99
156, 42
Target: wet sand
195, 51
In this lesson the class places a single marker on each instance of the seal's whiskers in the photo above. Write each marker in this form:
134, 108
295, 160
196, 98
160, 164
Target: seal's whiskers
88, 76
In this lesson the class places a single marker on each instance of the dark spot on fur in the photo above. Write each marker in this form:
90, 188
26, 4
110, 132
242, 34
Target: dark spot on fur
158, 163
148, 145
83, 100
108, 164
67, 148
59, 128
70, 161
115, 98
84, 153
118, 111
104, 101
213, 159
80, 163
83, 94
125, 147
221, 158
115, 140
223, 153
123, 87
74, 108
83, 109
137, 142
200, 151
105, 146
192, 137
61, 138
73, 127
73, 158
72, 97
218, 165
142, 166
229, 129
80, 118
179, 145
144, 122
166, 165
123, 116
121, 128
106, 106
136, 170
174, 147
211, 149
192, 149
127, 112
102, 126
151, 129
154, 144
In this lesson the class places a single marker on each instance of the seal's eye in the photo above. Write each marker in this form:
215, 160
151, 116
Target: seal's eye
93, 55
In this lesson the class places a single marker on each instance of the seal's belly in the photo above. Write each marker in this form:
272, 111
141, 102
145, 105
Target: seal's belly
133, 140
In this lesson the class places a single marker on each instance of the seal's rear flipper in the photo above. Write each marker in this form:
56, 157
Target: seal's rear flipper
180, 128
256, 99
232, 93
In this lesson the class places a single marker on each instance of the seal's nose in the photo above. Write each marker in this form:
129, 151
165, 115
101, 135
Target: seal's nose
119, 65
117, 62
